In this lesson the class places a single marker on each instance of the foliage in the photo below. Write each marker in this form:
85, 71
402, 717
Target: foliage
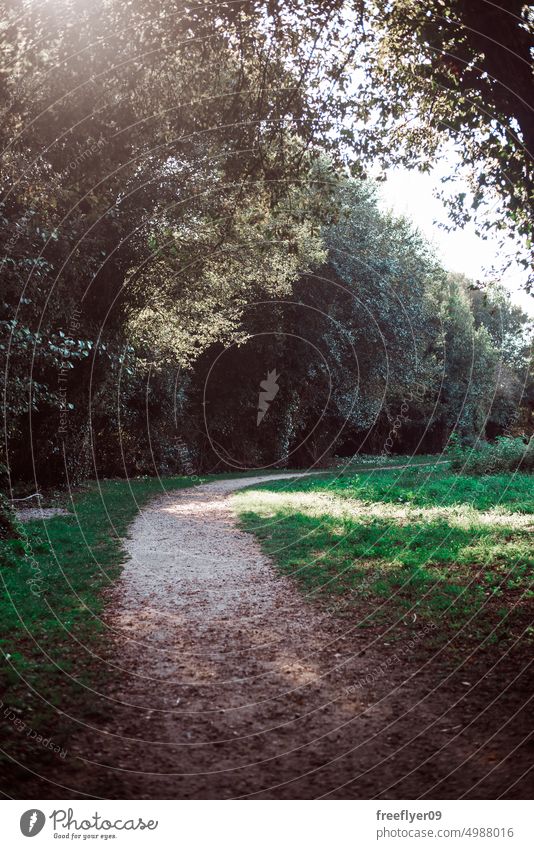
461, 71
9, 527
467, 363
347, 343
158, 211
199, 278
410, 81
378, 350
505, 454
145, 203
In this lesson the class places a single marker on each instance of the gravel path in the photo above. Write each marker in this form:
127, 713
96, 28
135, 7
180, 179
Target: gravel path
229, 684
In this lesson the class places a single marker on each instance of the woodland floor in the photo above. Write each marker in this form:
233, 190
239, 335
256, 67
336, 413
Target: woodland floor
228, 683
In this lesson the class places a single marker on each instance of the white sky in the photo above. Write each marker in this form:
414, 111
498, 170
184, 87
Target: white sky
411, 193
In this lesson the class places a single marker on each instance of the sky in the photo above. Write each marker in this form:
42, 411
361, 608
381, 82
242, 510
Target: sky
413, 194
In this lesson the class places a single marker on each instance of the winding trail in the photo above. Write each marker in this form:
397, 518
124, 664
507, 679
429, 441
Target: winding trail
229, 684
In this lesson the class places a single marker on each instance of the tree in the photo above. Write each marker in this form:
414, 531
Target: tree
467, 362
152, 183
404, 80
348, 344
459, 70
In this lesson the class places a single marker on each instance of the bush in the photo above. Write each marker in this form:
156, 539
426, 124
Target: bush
9, 525
506, 454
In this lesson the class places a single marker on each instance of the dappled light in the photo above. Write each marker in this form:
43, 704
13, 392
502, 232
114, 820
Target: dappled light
443, 560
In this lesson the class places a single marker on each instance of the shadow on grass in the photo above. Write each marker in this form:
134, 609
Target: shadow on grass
386, 557
425, 488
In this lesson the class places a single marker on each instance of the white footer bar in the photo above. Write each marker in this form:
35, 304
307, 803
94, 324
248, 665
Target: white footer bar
268, 824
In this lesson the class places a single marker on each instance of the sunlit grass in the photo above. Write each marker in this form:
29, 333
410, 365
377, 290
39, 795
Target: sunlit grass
389, 544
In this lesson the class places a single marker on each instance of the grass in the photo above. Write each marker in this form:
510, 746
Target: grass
395, 546
363, 462
52, 596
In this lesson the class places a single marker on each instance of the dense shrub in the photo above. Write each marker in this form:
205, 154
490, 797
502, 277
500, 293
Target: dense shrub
505, 454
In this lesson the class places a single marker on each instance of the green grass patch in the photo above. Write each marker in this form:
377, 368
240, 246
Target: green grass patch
387, 545
434, 487
366, 462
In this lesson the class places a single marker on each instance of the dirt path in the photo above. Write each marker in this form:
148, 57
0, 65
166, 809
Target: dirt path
229, 684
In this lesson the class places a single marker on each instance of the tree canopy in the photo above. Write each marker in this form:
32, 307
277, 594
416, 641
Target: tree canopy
180, 181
